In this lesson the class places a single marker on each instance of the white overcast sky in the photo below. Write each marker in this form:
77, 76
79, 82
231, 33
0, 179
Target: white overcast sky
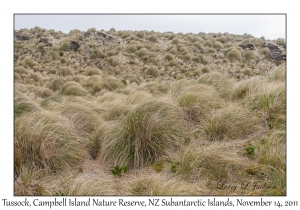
270, 26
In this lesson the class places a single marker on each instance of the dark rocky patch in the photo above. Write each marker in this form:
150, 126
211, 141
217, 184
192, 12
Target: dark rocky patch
249, 46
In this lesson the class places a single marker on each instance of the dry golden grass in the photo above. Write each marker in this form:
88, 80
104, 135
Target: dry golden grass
145, 134
231, 123
48, 141
179, 110
153, 184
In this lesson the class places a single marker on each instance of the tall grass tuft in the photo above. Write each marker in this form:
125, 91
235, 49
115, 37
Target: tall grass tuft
158, 185
230, 123
46, 140
23, 104
73, 88
244, 87
270, 100
84, 119
145, 134
214, 161
84, 185
56, 84
233, 54
109, 83
64, 71
92, 71
221, 82
27, 182
198, 101
271, 150
278, 75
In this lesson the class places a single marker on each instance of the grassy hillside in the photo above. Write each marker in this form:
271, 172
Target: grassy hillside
148, 113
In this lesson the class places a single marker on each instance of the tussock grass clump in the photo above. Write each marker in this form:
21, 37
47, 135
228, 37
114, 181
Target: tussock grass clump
205, 69
23, 104
113, 62
242, 88
112, 97
28, 62
218, 45
51, 56
153, 38
140, 34
145, 134
198, 101
249, 55
280, 41
34, 77
233, 54
40, 46
27, 182
196, 39
210, 50
265, 51
196, 59
173, 50
230, 123
115, 111
186, 57
65, 46
90, 81
208, 43
270, 100
277, 177
222, 39
50, 101
214, 161
278, 75
169, 57
57, 84
84, 185
175, 40
198, 44
25, 35
46, 140
271, 150
142, 52
258, 42
133, 79
157, 88
64, 71
44, 92
158, 185
203, 59
82, 117
92, 71
73, 88
221, 82
97, 53
126, 34
152, 71
20, 70
109, 83
248, 72
132, 48
137, 97
17, 77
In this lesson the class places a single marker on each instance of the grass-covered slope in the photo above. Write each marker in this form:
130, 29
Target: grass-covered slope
148, 113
